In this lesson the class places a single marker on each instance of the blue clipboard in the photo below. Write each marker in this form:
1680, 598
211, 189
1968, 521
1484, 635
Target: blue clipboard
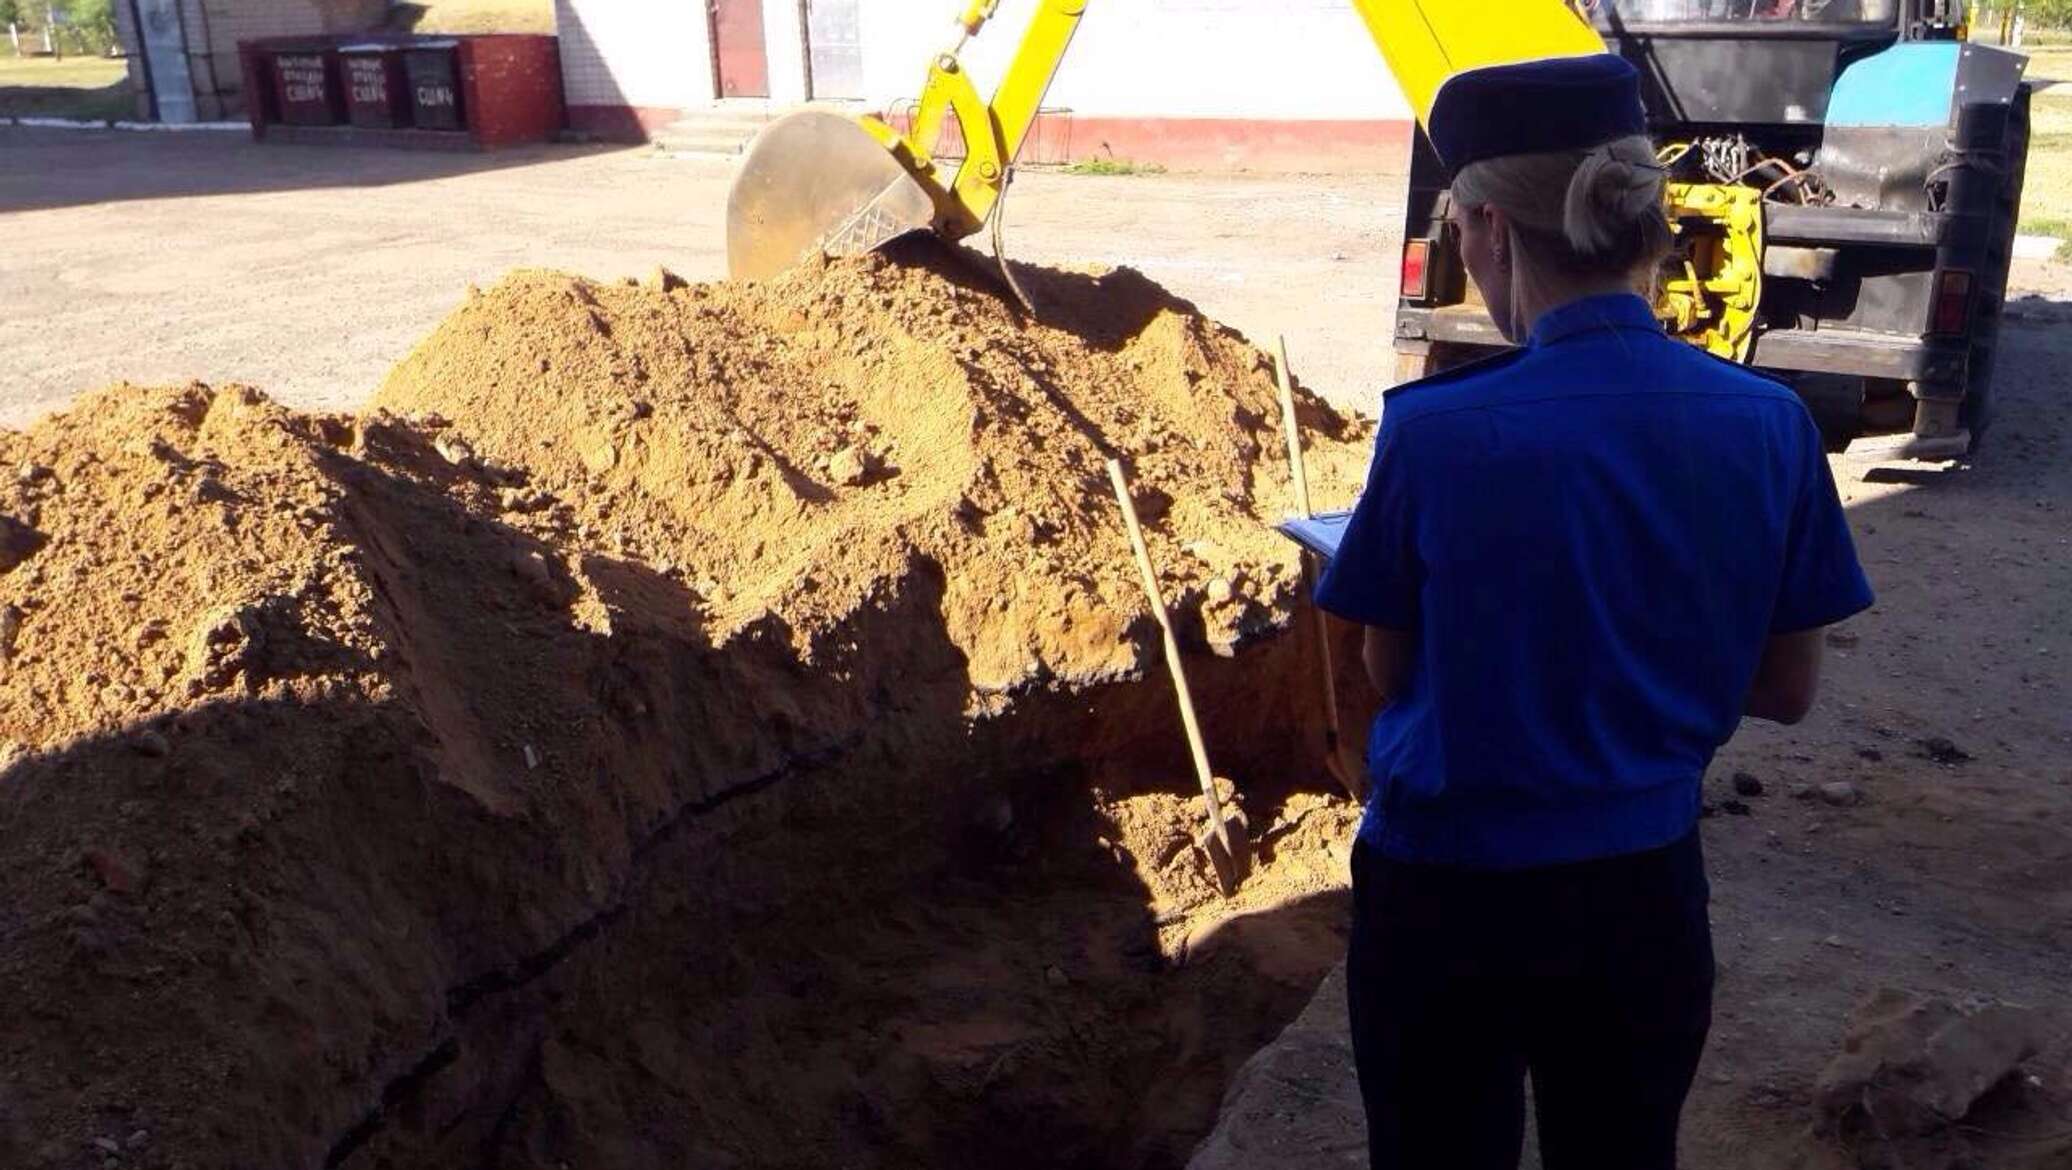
1319, 534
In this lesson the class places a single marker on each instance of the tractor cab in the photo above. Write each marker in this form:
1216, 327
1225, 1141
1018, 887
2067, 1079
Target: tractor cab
1845, 177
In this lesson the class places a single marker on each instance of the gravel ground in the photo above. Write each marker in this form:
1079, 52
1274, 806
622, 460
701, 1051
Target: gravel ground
309, 271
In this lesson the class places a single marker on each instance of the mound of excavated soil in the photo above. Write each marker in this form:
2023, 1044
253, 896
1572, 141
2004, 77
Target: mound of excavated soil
726, 734
786, 448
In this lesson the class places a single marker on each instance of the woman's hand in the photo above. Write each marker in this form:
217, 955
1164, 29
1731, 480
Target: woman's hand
1387, 655
1788, 677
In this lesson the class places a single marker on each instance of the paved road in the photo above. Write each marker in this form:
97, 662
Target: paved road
309, 271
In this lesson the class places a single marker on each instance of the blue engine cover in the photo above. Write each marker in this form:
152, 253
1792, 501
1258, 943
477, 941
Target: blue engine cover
1905, 85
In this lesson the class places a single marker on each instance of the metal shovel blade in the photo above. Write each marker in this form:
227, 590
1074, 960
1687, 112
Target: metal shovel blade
818, 182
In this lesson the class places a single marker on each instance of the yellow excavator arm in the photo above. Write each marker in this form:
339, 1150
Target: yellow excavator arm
816, 181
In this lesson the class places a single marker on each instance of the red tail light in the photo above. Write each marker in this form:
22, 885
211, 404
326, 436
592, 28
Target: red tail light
1417, 268
1952, 302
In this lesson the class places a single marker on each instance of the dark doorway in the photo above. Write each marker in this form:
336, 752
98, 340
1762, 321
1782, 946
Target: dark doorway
738, 56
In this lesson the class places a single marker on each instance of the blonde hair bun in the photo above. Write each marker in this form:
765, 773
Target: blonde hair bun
1593, 211
1615, 192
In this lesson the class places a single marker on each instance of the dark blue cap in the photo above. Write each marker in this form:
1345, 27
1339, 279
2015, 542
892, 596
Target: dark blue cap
1532, 107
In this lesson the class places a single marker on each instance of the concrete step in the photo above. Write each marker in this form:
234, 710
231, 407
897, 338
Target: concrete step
676, 140
731, 123
727, 129
708, 135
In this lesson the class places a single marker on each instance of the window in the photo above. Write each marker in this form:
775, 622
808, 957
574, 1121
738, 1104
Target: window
1752, 11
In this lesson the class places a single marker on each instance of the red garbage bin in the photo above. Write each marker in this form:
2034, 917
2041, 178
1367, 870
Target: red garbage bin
377, 95
306, 87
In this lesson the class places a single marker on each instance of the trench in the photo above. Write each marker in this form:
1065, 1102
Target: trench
547, 777
907, 946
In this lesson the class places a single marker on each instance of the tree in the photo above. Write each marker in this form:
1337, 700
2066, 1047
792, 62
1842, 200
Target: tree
90, 23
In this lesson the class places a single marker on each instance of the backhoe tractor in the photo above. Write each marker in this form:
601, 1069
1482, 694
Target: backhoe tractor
1845, 181
1845, 178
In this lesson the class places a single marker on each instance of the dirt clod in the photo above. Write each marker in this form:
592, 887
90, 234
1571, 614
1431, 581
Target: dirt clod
117, 873
18, 541
1913, 1064
454, 449
1840, 793
1942, 751
152, 744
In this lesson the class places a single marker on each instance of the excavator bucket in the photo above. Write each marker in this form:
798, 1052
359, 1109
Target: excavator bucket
818, 182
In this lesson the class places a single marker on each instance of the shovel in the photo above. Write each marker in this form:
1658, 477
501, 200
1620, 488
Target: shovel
1334, 758
1225, 839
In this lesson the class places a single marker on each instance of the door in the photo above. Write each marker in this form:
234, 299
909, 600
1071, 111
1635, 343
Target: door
835, 40
738, 58
165, 52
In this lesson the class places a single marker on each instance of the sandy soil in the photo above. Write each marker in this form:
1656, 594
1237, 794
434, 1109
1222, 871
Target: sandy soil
733, 704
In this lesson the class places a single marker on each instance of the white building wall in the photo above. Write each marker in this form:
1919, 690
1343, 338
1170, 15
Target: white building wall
654, 53
784, 45
1257, 59
1260, 59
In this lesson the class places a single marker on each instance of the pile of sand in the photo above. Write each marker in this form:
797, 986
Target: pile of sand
787, 448
577, 757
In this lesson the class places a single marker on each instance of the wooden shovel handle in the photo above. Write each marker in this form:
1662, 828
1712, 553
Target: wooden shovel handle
1172, 653
1298, 470
1296, 464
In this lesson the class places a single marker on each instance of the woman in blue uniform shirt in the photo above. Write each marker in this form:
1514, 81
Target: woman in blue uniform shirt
1580, 565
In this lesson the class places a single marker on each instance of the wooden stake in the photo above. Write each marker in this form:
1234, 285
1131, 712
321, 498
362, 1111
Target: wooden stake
1218, 828
1295, 461
1298, 470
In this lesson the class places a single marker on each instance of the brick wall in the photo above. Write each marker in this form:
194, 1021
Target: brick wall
214, 27
513, 88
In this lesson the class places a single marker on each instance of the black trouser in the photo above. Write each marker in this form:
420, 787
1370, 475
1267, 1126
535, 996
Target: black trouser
1595, 977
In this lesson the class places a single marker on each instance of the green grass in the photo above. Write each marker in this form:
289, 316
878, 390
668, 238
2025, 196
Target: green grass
2051, 227
1112, 166
2047, 191
477, 16
76, 87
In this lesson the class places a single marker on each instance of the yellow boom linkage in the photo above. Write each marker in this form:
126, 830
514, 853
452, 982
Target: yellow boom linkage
819, 182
